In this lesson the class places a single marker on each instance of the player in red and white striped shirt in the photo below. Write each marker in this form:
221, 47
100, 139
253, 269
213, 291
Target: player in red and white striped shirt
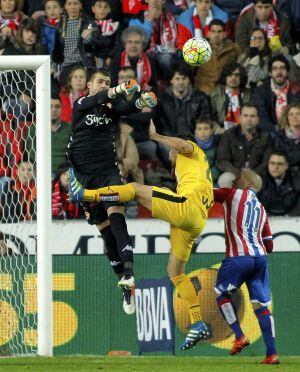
247, 231
248, 239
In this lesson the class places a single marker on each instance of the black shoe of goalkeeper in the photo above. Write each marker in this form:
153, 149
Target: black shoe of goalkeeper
75, 189
128, 300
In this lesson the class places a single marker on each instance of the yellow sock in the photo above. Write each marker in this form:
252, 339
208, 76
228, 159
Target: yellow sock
126, 192
189, 296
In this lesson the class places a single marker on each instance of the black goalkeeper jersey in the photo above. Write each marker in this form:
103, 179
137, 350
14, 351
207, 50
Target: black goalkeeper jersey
95, 123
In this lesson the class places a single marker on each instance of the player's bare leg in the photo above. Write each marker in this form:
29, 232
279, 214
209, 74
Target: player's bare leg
189, 295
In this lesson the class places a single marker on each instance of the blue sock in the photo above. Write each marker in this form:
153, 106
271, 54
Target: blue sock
229, 313
266, 323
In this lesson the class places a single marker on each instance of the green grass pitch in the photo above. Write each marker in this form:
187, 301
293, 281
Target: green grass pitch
146, 363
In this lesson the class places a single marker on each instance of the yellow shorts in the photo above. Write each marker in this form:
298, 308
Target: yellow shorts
186, 218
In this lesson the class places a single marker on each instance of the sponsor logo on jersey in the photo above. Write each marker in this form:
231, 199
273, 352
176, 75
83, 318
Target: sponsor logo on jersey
93, 119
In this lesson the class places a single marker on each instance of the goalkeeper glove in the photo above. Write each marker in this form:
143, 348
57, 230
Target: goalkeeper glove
146, 99
130, 86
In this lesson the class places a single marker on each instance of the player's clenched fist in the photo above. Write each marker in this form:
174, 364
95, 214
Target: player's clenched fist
130, 86
146, 99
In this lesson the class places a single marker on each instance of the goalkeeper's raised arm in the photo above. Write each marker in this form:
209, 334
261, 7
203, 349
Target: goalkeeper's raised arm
123, 99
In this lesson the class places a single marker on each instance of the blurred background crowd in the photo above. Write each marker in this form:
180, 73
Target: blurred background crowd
242, 107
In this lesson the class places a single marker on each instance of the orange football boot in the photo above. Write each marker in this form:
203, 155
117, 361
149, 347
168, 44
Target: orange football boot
270, 359
239, 344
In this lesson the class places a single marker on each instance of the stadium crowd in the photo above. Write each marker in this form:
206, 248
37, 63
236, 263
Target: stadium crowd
242, 107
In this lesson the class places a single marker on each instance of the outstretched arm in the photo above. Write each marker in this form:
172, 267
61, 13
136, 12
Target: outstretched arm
181, 145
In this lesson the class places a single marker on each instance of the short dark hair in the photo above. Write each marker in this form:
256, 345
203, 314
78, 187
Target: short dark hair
279, 153
183, 69
104, 71
58, 1
217, 22
250, 105
26, 159
104, 1
56, 96
279, 58
263, 1
63, 167
228, 70
202, 120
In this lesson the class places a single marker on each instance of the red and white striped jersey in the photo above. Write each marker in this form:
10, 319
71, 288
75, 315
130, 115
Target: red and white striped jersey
246, 222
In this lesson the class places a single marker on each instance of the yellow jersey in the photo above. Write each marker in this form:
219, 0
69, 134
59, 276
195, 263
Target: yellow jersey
194, 179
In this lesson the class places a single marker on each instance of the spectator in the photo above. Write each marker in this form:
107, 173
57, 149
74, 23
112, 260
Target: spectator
195, 21
243, 146
224, 51
273, 97
27, 41
17, 91
76, 87
18, 200
128, 159
68, 51
60, 134
287, 139
4, 250
161, 28
62, 209
233, 8
102, 36
137, 124
134, 7
281, 191
135, 41
228, 97
208, 141
10, 20
256, 58
292, 10
12, 134
176, 7
50, 24
264, 15
178, 108
34, 8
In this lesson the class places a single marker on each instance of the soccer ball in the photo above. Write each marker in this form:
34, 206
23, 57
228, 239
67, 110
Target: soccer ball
196, 52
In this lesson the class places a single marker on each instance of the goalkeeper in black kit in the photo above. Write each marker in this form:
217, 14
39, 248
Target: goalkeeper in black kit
92, 154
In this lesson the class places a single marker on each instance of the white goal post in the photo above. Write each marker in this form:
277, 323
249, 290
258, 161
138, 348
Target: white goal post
41, 64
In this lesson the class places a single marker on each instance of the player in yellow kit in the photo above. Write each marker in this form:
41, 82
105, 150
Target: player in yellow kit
186, 211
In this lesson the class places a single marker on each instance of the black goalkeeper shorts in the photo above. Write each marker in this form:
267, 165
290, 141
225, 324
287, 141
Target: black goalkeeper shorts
96, 213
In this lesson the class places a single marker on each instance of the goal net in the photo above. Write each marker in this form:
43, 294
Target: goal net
24, 91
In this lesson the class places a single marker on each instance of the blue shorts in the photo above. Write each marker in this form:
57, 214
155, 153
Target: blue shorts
253, 271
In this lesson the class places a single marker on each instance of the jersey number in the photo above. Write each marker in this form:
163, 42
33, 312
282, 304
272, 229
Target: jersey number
253, 215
